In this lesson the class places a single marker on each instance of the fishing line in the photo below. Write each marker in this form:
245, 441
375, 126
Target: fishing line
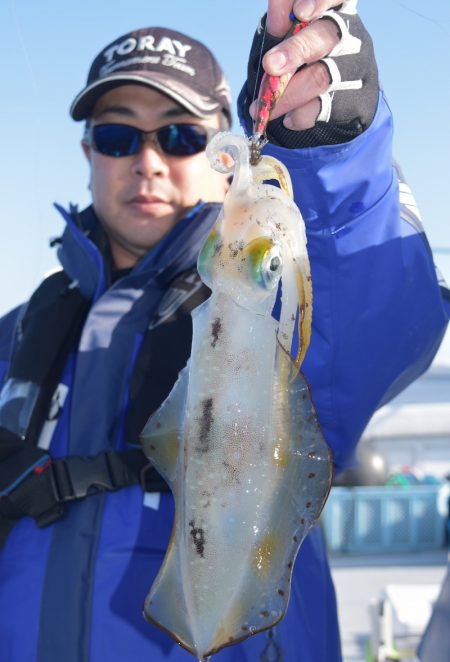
255, 93
437, 22
19, 33
34, 120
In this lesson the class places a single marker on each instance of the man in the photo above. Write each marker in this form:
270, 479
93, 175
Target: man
100, 344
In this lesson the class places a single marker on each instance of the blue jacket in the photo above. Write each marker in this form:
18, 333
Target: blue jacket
74, 590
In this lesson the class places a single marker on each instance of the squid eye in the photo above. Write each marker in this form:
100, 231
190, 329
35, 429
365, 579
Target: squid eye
264, 261
271, 267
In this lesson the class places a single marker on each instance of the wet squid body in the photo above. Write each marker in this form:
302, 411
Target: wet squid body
238, 439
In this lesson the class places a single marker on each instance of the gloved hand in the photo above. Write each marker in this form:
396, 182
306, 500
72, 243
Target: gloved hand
332, 96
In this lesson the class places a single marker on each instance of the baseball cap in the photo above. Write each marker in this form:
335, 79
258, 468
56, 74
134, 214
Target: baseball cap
169, 61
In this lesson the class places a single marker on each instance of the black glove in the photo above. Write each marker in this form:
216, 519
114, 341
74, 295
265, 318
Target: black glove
348, 107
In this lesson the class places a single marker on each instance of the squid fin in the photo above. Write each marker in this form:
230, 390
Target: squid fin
304, 474
160, 436
165, 605
304, 455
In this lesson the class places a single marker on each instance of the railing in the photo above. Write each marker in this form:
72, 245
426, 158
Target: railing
366, 520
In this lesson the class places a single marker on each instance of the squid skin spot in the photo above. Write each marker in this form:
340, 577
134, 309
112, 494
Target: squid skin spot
152, 447
264, 614
232, 472
311, 475
218, 247
245, 628
216, 328
207, 496
302, 521
198, 538
158, 425
205, 425
280, 592
308, 504
289, 565
295, 539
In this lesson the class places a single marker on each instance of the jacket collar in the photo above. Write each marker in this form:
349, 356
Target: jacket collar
84, 250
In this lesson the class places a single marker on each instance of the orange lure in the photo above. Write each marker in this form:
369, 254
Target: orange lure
270, 91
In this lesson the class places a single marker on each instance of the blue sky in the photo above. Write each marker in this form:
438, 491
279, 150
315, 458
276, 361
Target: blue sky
46, 48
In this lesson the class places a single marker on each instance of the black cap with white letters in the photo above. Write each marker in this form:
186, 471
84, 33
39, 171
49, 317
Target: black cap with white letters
166, 60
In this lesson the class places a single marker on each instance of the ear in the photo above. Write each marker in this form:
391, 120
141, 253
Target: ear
87, 150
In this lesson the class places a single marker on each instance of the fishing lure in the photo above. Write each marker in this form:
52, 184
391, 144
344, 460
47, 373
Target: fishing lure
270, 91
238, 439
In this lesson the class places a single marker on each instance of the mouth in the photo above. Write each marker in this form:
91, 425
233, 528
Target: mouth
148, 203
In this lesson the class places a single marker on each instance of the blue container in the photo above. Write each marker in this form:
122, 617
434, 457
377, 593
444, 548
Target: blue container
367, 520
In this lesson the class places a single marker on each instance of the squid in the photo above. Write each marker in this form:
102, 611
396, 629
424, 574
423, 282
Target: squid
238, 439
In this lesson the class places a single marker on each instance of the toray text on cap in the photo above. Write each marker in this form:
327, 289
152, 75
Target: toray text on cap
147, 42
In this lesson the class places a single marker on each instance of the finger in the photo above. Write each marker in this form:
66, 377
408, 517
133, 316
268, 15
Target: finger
307, 46
306, 85
303, 118
278, 21
278, 13
308, 10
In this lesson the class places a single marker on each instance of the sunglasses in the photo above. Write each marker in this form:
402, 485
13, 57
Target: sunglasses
173, 140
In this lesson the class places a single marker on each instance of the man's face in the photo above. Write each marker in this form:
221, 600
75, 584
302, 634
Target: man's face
139, 198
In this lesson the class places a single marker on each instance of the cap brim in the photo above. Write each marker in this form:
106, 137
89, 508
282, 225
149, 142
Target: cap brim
195, 103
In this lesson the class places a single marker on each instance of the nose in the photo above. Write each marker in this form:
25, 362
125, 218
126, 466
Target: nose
149, 162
